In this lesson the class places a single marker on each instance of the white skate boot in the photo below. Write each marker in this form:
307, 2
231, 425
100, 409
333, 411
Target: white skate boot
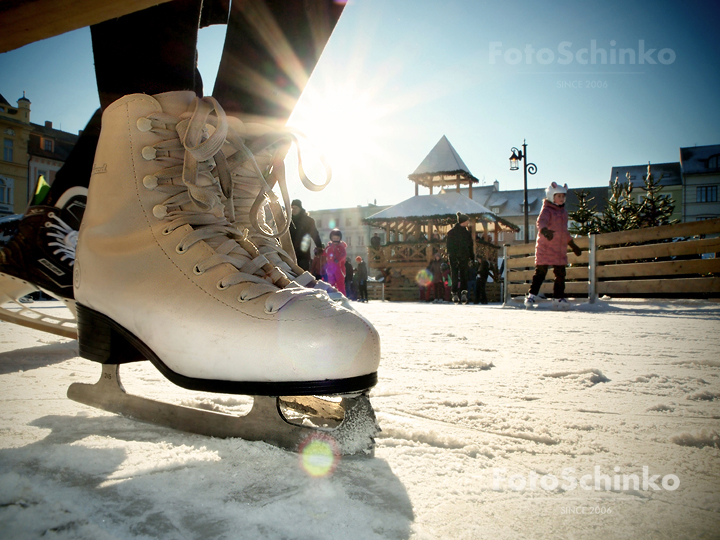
162, 275
530, 300
561, 304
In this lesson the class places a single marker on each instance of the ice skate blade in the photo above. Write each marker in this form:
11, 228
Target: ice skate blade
12, 289
355, 433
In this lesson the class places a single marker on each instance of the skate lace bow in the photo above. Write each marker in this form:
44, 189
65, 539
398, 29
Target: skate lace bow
198, 185
66, 238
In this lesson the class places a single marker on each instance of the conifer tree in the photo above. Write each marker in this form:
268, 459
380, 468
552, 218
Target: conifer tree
585, 221
619, 210
655, 209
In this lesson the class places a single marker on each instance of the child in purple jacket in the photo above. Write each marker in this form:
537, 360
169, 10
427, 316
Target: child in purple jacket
551, 246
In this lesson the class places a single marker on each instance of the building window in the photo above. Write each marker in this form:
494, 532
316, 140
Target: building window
6, 185
707, 194
48, 145
7, 149
713, 161
361, 241
500, 236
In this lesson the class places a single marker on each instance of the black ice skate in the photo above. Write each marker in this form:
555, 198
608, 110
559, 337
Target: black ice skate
455, 298
40, 257
464, 297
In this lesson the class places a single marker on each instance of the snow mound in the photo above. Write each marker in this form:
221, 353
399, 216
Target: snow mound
700, 362
698, 439
470, 364
661, 408
704, 396
596, 376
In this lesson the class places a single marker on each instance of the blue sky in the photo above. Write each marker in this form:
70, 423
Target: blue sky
397, 75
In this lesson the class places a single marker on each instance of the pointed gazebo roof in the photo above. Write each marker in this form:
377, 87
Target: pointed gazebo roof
442, 167
440, 208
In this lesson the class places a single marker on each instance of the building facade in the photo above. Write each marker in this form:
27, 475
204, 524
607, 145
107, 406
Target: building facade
15, 127
29, 151
701, 174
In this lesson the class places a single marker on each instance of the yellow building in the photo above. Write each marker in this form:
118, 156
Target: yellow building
15, 127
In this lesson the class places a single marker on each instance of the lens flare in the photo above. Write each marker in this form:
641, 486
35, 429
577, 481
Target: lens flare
319, 455
424, 278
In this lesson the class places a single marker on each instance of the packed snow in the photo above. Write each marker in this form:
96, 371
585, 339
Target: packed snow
497, 422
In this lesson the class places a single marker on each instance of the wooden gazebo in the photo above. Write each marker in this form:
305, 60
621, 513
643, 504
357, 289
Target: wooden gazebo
415, 229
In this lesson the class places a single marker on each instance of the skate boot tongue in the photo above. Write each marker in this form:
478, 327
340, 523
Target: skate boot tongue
175, 103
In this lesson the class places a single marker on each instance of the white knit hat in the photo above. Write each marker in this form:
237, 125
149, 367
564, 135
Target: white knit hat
552, 189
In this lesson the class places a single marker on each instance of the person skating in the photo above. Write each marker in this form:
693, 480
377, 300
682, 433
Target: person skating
361, 275
335, 255
482, 277
436, 274
551, 246
460, 253
303, 231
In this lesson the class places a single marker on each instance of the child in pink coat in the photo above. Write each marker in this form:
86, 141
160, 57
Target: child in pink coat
551, 246
335, 255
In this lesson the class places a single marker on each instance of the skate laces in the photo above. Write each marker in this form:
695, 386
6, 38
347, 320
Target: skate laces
66, 238
256, 162
196, 179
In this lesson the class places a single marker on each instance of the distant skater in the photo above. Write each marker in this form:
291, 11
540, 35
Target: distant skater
335, 254
551, 246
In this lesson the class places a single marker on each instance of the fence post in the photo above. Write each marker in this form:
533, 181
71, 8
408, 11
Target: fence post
592, 265
506, 289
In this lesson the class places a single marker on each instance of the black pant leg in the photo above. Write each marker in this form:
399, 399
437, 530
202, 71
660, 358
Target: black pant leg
540, 273
559, 285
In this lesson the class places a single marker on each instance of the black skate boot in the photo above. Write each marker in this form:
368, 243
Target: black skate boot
463, 297
455, 298
40, 257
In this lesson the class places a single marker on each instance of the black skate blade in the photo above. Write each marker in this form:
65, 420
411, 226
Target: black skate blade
265, 422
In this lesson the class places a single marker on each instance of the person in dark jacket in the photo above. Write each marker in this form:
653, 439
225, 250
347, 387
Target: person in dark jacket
361, 276
302, 231
460, 253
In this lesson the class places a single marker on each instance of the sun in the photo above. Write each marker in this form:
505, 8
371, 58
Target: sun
343, 123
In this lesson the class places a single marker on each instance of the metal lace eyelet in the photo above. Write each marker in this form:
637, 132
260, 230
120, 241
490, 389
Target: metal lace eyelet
149, 153
51, 215
150, 181
159, 211
180, 249
166, 231
144, 124
221, 286
197, 271
242, 299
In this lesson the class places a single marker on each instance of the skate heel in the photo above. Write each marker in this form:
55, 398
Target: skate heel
102, 340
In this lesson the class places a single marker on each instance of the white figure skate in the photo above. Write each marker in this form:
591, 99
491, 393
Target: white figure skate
162, 275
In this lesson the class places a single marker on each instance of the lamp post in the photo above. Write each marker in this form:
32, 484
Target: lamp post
531, 168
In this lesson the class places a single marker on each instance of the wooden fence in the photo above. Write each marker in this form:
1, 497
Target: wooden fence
671, 260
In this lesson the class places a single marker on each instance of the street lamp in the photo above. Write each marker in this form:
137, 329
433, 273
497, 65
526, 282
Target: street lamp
531, 168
